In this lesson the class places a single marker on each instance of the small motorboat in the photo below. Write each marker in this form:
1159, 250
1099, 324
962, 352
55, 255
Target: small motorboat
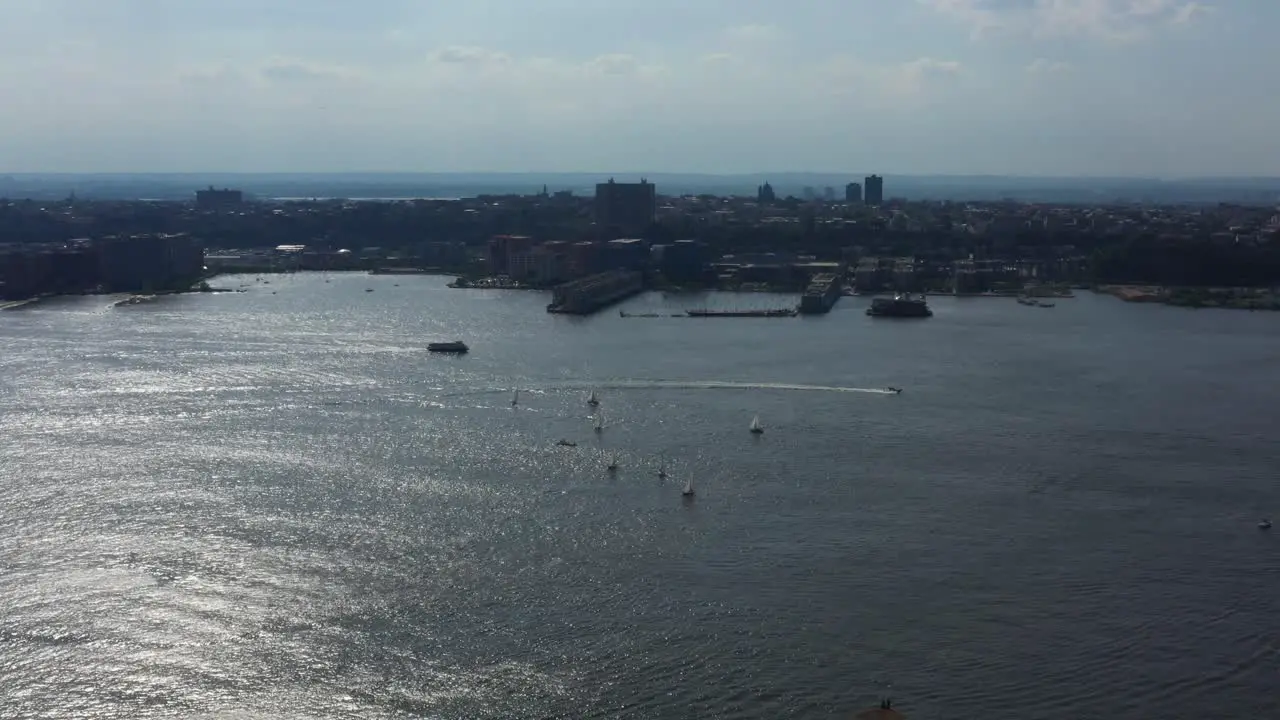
1264, 524
455, 346
895, 390
566, 443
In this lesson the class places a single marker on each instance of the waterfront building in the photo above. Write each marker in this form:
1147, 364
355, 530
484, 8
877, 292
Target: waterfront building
684, 260
502, 248
625, 208
144, 263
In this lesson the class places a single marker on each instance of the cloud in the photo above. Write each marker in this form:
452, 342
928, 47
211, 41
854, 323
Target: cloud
468, 55
719, 58
752, 33
1190, 11
1113, 20
894, 86
1044, 66
614, 64
287, 71
926, 67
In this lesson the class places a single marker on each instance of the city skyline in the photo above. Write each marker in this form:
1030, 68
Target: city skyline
1124, 88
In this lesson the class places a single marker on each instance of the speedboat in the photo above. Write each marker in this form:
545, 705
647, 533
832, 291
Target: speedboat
1264, 524
894, 390
567, 443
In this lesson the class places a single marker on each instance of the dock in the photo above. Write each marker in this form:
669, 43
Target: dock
595, 292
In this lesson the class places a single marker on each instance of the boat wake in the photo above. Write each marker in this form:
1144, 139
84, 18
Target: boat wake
723, 385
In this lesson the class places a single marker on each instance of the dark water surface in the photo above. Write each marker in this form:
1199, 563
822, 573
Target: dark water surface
278, 505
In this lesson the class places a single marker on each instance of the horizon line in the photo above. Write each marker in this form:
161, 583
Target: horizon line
638, 173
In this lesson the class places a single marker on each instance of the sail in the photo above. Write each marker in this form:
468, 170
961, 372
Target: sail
515, 396
600, 421
688, 486
755, 423
591, 399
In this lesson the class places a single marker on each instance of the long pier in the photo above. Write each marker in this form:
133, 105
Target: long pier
821, 294
781, 312
595, 292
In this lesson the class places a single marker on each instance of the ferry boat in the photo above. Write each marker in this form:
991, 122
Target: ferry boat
903, 306
455, 346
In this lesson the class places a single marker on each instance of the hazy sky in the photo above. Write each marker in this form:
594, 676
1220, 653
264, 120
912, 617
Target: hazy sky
1041, 87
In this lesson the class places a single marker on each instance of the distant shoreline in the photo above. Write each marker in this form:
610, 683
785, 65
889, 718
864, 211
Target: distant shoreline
1226, 298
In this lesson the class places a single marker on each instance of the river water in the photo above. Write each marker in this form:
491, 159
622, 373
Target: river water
276, 504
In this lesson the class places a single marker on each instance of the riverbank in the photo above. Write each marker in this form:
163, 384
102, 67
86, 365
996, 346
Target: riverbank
134, 299
1196, 297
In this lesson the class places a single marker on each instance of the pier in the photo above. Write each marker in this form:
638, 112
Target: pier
779, 312
595, 292
821, 294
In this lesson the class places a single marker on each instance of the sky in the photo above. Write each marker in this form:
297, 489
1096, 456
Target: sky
1151, 88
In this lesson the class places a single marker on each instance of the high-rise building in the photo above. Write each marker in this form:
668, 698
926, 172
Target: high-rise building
626, 208
765, 194
853, 193
874, 190
828, 193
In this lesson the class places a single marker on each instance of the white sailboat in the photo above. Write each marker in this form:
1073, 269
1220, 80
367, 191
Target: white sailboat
662, 470
688, 488
613, 463
515, 397
592, 400
756, 428
599, 423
